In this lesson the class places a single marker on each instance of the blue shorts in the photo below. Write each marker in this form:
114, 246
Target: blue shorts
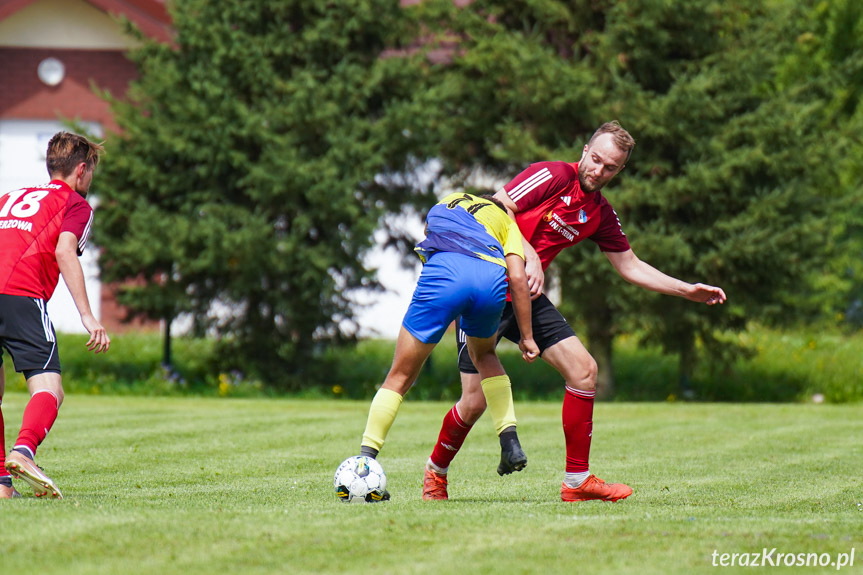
453, 285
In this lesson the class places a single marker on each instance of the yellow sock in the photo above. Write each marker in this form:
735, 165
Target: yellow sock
382, 414
498, 396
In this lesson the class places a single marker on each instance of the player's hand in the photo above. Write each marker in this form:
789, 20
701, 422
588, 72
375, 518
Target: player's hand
707, 294
535, 277
99, 340
529, 349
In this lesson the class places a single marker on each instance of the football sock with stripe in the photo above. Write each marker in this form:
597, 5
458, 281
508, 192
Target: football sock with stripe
39, 415
382, 414
498, 396
453, 432
577, 429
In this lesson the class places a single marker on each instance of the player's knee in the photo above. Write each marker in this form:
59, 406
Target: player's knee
49, 381
397, 383
471, 407
584, 375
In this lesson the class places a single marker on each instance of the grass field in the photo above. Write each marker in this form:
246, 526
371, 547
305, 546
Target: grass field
185, 485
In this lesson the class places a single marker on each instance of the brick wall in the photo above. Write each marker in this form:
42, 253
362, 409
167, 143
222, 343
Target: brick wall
24, 96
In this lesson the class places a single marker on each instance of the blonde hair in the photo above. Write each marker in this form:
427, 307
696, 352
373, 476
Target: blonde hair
620, 137
66, 150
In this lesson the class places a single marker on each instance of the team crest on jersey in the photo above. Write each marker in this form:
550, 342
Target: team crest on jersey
582, 216
559, 224
566, 199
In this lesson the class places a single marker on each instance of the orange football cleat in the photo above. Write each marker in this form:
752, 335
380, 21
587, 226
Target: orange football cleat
595, 488
434, 485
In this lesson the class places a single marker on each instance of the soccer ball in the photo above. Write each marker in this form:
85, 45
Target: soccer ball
360, 479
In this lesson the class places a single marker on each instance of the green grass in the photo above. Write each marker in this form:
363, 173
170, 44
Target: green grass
207, 485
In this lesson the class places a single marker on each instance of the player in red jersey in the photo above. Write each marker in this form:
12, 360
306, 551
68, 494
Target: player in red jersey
43, 231
557, 205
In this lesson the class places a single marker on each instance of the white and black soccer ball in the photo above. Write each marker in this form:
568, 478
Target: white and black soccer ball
360, 479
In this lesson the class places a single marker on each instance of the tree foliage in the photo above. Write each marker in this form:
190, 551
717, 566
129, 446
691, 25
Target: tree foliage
249, 173
261, 150
736, 179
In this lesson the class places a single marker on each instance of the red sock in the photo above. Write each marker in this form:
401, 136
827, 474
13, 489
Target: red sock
2, 443
577, 428
39, 416
452, 435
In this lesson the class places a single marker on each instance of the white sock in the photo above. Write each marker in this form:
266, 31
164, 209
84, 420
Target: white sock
439, 470
573, 480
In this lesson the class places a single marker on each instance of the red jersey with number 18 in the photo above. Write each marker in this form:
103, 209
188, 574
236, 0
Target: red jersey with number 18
31, 221
554, 212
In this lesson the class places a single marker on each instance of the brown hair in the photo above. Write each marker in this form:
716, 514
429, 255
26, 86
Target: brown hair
621, 137
493, 200
65, 151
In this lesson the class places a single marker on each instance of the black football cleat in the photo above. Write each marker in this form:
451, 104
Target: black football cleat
512, 458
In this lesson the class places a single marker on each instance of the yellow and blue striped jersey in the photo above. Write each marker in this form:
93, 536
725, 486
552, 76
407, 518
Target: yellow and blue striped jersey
473, 226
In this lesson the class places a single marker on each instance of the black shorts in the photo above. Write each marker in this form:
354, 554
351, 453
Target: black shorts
27, 334
549, 327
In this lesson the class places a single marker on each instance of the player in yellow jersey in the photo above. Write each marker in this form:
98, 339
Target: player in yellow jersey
471, 247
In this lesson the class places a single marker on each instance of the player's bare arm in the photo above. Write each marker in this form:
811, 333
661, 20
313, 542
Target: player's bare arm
532, 265
73, 275
644, 275
522, 306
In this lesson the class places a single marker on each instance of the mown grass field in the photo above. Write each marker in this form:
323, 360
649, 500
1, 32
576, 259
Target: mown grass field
209, 485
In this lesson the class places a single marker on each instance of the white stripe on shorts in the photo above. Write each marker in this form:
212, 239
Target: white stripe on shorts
46, 321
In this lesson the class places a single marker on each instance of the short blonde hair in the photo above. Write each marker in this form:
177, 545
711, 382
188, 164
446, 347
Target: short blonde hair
620, 137
66, 150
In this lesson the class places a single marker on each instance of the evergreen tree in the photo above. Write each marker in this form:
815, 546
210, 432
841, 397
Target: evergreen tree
826, 66
251, 170
742, 170
731, 182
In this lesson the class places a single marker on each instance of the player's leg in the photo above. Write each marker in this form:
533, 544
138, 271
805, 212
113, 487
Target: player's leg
471, 405
7, 490
497, 389
459, 420
456, 424
436, 301
410, 355
480, 321
46, 396
33, 347
578, 369
455, 427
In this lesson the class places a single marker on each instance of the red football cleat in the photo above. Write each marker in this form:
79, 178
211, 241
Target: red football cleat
434, 485
595, 488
